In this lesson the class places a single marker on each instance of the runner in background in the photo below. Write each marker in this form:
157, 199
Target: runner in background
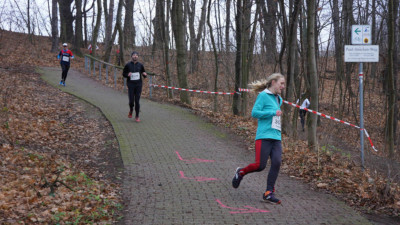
65, 57
117, 56
303, 112
268, 137
133, 71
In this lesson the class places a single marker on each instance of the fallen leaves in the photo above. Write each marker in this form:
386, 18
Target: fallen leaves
50, 151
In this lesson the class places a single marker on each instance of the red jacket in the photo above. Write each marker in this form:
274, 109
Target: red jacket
65, 56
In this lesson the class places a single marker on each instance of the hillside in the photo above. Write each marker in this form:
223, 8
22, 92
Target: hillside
32, 111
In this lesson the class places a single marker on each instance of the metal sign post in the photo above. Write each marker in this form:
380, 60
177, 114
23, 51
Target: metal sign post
361, 51
361, 77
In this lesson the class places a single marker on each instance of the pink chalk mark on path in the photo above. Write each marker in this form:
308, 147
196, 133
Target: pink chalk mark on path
193, 160
196, 178
248, 209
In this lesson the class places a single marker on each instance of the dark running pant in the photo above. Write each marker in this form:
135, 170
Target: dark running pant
134, 93
267, 148
302, 117
65, 68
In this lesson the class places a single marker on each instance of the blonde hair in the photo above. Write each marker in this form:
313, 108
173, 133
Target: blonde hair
260, 85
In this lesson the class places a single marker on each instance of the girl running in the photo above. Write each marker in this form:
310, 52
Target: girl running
268, 137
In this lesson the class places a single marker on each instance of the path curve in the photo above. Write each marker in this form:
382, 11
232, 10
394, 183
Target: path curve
179, 168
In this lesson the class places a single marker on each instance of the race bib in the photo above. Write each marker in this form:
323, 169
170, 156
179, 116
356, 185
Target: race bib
135, 76
276, 123
65, 58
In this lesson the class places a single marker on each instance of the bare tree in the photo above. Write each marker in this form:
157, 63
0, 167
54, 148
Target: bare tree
129, 28
54, 26
215, 56
248, 39
110, 42
165, 38
312, 73
96, 28
78, 40
391, 97
178, 25
29, 21
195, 40
108, 15
157, 24
118, 25
288, 127
227, 25
66, 21
238, 58
269, 22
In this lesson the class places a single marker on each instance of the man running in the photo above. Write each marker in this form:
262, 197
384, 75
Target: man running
303, 112
133, 71
65, 57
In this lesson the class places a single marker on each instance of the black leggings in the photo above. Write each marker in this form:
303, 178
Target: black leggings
65, 68
134, 93
302, 117
266, 148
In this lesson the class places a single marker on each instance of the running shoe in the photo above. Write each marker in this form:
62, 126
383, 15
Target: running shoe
130, 114
269, 197
137, 119
61, 82
237, 178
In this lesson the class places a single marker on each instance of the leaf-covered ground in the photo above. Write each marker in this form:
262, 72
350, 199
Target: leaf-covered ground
60, 161
53, 149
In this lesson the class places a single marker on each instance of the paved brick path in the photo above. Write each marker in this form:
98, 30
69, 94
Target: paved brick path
179, 169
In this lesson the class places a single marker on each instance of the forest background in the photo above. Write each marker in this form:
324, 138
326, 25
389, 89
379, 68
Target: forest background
216, 45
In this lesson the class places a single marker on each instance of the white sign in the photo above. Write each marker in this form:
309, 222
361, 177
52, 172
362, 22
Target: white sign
361, 53
361, 35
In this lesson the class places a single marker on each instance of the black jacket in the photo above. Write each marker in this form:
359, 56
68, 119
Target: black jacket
133, 67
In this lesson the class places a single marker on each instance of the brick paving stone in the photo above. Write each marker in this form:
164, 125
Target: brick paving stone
153, 188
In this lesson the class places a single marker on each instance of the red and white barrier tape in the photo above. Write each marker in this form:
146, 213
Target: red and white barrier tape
244, 90
289, 103
197, 91
335, 119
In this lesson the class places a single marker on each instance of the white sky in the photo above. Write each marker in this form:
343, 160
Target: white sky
13, 14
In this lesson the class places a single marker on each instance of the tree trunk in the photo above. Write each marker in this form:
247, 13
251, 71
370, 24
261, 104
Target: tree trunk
374, 42
157, 24
129, 28
248, 38
118, 24
108, 15
269, 28
165, 39
195, 40
348, 20
215, 56
78, 40
110, 42
227, 26
238, 60
29, 21
312, 71
338, 49
96, 28
178, 26
54, 26
290, 82
66, 19
391, 97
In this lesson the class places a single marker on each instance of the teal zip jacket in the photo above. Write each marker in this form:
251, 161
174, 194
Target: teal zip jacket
264, 110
